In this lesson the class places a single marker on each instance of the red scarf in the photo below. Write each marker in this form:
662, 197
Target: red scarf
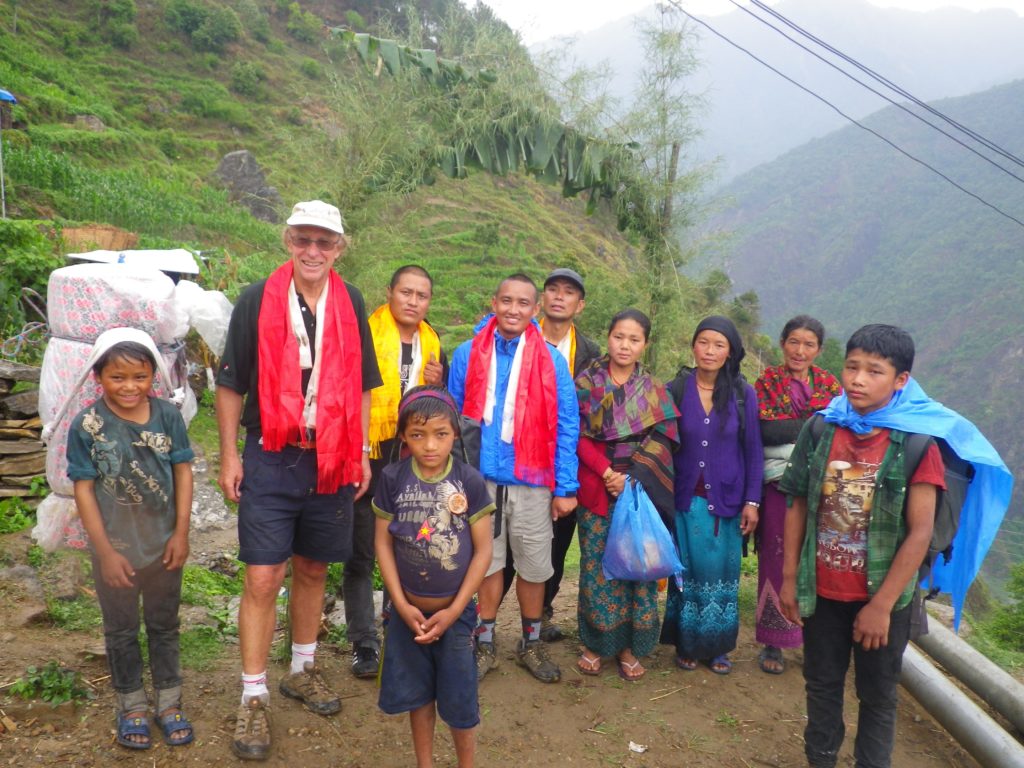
536, 420
339, 428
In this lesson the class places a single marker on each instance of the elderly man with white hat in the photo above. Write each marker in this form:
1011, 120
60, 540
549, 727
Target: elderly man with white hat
296, 373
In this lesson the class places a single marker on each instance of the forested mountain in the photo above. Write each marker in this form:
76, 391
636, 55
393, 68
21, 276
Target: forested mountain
752, 115
848, 229
127, 108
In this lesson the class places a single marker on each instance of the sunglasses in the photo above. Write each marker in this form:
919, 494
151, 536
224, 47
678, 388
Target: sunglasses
322, 243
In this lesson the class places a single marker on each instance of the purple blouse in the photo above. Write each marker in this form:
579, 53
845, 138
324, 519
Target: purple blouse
710, 446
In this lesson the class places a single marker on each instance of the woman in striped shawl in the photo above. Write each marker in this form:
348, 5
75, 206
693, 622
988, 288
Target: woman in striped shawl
629, 426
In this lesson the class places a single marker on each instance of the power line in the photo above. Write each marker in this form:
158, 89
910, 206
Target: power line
890, 84
905, 153
878, 93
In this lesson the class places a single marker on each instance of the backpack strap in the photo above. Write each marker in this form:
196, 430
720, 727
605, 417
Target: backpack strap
915, 446
677, 387
817, 426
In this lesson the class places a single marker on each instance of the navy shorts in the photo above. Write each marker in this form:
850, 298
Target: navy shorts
280, 514
414, 675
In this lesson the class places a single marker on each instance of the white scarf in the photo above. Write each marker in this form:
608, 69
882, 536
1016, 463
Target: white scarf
306, 359
417, 361
508, 413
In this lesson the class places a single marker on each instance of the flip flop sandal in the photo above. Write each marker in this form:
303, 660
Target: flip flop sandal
589, 666
627, 671
771, 654
687, 665
133, 726
720, 665
176, 723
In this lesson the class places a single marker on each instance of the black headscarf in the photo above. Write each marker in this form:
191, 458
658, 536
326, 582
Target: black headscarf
725, 382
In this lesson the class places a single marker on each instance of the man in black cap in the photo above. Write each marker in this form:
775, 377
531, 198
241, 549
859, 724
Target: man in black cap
562, 301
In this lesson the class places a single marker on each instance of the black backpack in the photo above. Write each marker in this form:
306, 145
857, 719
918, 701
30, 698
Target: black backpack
948, 503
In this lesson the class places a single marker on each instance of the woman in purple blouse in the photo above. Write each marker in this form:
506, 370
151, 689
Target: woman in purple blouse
719, 469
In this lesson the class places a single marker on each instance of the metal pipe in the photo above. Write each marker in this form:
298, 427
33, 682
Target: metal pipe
997, 688
976, 732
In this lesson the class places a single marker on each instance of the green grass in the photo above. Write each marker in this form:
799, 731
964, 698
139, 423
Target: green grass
200, 585
79, 615
201, 647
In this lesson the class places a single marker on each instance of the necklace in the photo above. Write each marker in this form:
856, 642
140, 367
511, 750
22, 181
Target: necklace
615, 381
706, 389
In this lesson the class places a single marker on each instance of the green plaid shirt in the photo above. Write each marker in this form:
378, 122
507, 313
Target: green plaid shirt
887, 525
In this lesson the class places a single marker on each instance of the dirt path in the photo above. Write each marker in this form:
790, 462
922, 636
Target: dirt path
744, 720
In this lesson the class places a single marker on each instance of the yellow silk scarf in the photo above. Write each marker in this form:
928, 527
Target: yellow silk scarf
387, 345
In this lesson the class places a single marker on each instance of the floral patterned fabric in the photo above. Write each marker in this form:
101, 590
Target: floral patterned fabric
613, 615
774, 401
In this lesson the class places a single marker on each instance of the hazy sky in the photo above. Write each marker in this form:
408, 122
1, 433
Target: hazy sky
541, 19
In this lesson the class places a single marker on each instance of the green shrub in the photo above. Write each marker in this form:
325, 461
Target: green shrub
185, 16
220, 27
311, 69
254, 20
28, 257
303, 25
15, 516
122, 35
52, 682
246, 78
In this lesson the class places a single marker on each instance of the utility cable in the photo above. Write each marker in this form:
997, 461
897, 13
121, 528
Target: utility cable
762, 62
878, 93
890, 84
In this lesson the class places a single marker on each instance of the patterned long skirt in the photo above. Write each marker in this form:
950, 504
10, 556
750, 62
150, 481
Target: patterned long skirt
613, 615
702, 621
772, 627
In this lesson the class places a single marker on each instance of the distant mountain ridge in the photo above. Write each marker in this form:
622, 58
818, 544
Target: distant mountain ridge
850, 231
754, 115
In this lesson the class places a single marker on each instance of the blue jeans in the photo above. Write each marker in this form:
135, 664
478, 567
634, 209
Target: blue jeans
160, 590
828, 640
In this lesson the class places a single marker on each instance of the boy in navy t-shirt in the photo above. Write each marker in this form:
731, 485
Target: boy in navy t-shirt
433, 544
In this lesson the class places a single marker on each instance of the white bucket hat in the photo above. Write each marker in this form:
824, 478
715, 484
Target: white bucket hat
316, 213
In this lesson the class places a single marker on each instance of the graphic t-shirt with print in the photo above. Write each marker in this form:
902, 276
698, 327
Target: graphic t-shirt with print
132, 466
847, 496
429, 523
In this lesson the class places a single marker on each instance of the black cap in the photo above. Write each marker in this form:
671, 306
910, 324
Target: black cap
564, 273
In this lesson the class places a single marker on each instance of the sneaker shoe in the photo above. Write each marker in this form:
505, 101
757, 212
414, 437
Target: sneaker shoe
309, 687
549, 631
365, 662
252, 730
533, 655
486, 659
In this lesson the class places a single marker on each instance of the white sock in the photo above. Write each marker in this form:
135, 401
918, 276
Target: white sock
302, 653
254, 685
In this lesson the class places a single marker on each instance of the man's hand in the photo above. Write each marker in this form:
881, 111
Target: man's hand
562, 506
432, 372
871, 627
230, 479
364, 484
176, 551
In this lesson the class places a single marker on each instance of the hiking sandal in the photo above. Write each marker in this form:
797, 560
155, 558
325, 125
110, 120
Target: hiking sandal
173, 721
128, 726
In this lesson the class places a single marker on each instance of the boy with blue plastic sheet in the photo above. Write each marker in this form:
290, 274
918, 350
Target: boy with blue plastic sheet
858, 528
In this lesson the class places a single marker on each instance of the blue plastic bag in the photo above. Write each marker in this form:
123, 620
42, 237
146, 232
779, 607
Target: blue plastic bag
639, 546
